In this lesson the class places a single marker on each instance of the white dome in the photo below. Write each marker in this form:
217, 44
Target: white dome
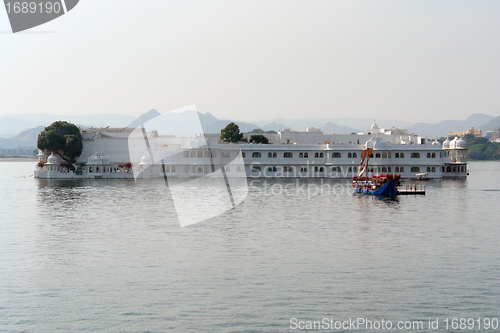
461, 143
145, 160
446, 143
453, 142
380, 144
376, 143
98, 159
374, 126
52, 159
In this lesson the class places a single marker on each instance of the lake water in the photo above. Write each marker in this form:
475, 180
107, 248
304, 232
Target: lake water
110, 256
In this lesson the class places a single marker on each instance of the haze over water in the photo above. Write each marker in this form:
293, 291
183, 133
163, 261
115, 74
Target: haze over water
110, 256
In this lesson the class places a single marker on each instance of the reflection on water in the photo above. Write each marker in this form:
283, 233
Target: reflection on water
109, 255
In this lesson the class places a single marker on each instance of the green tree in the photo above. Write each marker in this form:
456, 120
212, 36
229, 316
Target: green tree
63, 139
257, 130
231, 133
259, 138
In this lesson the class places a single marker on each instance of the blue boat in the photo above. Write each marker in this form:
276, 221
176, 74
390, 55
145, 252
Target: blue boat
380, 185
383, 184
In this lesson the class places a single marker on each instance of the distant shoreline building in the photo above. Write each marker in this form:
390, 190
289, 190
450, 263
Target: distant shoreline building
476, 132
309, 154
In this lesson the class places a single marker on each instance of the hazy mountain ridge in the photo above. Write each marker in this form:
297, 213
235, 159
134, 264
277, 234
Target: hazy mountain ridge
24, 139
443, 127
210, 124
12, 124
491, 125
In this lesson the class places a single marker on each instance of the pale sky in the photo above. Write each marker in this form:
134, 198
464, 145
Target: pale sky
251, 60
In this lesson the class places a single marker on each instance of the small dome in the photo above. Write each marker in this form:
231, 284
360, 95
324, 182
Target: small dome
446, 143
453, 142
380, 144
374, 126
461, 143
52, 159
98, 159
145, 160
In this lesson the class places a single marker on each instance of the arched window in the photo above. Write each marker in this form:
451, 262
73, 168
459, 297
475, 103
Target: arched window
414, 155
350, 169
384, 155
448, 169
428, 155
428, 169
316, 169
389, 169
173, 169
354, 155
401, 169
384, 169
186, 154
454, 169
193, 154
287, 155
402, 155
462, 169
397, 155
355, 169
269, 155
433, 155
303, 169
207, 153
415, 169
243, 154
433, 169
256, 154
389, 154
377, 155
397, 169
336, 155
349, 155
321, 169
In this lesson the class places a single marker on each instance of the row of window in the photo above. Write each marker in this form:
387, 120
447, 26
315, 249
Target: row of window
257, 154
257, 168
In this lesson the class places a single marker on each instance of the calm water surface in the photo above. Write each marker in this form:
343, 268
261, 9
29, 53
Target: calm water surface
110, 256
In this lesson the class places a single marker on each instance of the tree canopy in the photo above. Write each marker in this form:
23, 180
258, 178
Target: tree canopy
259, 138
231, 133
62, 138
481, 148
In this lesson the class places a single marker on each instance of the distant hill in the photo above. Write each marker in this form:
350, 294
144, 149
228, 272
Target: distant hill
143, 118
491, 125
443, 127
275, 126
331, 127
350, 124
12, 124
217, 126
24, 139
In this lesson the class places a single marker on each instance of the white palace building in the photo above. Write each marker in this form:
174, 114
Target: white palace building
311, 154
